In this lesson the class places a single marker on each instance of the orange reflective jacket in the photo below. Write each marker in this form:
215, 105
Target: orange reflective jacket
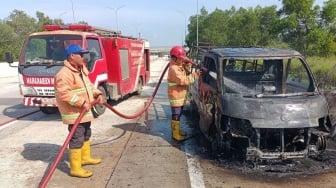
178, 82
72, 89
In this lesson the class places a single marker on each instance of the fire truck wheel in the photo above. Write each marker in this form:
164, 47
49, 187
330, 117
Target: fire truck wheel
139, 87
100, 109
49, 110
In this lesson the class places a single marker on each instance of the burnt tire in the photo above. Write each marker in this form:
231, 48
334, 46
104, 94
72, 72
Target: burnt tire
332, 131
216, 142
193, 107
49, 110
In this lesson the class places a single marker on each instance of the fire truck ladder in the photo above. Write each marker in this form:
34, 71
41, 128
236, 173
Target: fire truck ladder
106, 32
110, 33
87, 28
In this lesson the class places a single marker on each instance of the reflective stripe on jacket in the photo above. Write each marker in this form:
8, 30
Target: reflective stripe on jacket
178, 82
72, 89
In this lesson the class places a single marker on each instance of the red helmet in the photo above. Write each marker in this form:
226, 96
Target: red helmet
177, 51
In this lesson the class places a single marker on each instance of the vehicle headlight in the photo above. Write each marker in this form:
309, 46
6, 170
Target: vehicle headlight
26, 90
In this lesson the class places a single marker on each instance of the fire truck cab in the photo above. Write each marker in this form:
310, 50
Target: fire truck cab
118, 65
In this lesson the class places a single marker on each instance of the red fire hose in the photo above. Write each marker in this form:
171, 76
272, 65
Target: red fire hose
150, 100
51, 170
61, 152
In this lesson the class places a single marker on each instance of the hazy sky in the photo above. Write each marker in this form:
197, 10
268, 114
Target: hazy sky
162, 22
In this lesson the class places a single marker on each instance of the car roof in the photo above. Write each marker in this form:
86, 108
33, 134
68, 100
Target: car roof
248, 53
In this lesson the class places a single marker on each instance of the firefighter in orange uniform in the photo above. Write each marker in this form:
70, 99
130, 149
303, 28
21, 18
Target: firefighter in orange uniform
74, 91
179, 78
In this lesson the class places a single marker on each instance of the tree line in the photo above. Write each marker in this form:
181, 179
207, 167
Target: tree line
300, 25
17, 26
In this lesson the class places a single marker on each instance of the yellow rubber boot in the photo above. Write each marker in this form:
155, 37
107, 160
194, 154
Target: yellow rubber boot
176, 130
86, 155
75, 158
182, 133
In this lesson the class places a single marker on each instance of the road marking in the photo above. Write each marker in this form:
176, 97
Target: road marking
195, 172
194, 168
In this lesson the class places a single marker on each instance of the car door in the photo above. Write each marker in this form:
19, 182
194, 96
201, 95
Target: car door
331, 99
207, 90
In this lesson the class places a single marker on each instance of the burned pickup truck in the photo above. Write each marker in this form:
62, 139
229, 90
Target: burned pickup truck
265, 101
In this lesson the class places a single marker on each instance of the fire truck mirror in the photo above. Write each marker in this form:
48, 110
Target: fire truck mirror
9, 57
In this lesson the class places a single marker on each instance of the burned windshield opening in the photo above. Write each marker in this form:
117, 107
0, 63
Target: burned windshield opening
266, 76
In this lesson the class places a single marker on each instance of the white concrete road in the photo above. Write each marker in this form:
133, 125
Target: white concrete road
6, 71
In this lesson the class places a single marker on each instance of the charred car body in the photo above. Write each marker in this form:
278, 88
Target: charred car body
263, 100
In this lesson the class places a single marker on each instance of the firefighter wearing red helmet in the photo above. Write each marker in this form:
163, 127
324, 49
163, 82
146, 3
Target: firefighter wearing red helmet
179, 78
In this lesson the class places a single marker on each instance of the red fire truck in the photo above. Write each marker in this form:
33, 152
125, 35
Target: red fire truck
118, 65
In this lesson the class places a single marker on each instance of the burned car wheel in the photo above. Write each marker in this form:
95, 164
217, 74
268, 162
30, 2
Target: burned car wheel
193, 110
216, 142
